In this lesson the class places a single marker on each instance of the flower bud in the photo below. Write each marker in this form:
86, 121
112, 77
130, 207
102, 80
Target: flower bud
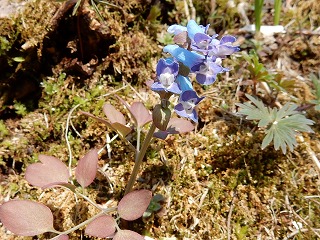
161, 117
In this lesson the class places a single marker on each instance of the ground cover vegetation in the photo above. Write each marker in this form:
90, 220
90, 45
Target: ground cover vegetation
162, 119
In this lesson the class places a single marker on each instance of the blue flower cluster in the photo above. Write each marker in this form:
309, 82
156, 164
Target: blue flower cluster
194, 52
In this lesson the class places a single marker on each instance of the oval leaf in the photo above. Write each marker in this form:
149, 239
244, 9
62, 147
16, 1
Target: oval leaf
117, 120
175, 126
87, 168
101, 227
26, 218
121, 129
127, 234
140, 114
113, 114
51, 170
179, 125
134, 204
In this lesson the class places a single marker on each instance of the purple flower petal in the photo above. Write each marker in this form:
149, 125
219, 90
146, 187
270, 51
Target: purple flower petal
206, 72
182, 113
203, 43
174, 88
186, 107
200, 37
179, 109
158, 87
227, 39
206, 79
168, 65
224, 47
190, 95
224, 50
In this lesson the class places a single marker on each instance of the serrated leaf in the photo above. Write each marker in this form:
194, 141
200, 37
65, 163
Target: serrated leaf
127, 235
86, 169
281, 125
316, 82
134, 204
50, 171
140, 114
102, 227
26, 218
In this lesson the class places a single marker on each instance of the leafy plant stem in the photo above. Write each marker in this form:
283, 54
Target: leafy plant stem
139, 158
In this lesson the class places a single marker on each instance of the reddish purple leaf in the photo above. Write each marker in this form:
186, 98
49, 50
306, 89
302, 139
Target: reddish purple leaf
134, 204
102, 227
140, 114
121, 129
26, 218
51, 170
87, 168
175, 126
127, 235
179, 125
61, 237
113, 114
117, 120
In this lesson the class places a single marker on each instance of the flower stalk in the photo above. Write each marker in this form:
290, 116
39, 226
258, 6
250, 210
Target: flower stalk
140, 156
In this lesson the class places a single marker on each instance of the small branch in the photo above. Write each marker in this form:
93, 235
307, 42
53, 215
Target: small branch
299, 231
230, 214
67, 139
312, 155
291, 210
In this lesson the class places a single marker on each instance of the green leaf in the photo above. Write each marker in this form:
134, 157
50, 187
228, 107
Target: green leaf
18, 59
281, 125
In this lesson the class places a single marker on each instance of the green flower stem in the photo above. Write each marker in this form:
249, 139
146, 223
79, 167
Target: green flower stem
277, 10
139, 158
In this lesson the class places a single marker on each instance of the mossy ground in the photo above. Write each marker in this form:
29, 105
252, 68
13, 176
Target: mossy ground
217, 182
